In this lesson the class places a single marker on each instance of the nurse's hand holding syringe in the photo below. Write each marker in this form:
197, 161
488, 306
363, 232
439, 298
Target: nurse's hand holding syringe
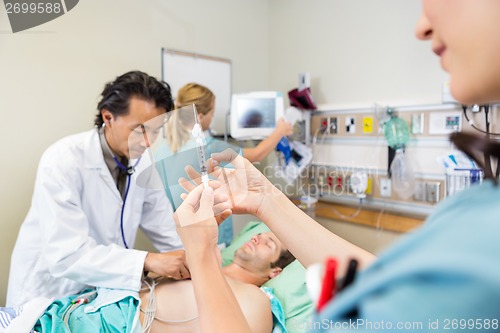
221, 207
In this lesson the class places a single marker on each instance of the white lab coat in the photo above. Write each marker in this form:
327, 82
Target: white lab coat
71, 236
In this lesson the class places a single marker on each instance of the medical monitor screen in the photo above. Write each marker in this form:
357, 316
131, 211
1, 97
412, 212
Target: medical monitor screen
254, 115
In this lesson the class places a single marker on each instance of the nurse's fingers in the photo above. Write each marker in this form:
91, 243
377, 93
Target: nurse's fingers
223, 216
186, 185
231, 156
193, 197
221, 206
206, 203
212, 167
220, 201
189, 186
196, 177
193, 174
221, 210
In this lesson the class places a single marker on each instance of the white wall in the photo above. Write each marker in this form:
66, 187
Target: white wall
51, 75
357, 51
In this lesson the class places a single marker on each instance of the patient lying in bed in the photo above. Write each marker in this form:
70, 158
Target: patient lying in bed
257, 261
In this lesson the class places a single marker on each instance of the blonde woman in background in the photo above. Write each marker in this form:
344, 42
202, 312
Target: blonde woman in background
204, 99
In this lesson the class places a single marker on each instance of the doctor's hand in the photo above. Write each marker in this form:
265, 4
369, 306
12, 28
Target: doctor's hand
244, 185
168, 264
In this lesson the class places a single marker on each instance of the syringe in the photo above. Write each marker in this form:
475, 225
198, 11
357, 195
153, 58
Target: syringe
197, 134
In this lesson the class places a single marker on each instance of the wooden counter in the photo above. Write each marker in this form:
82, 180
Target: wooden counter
369, 217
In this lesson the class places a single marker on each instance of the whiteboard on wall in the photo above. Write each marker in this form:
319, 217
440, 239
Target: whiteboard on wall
179, 68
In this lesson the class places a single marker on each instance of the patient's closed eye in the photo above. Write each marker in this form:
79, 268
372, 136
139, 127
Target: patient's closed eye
270, 243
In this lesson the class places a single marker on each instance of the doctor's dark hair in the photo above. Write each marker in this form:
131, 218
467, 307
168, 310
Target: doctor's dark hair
116, 95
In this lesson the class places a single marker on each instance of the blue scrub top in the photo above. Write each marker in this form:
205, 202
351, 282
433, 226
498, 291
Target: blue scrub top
171, 166
443, 277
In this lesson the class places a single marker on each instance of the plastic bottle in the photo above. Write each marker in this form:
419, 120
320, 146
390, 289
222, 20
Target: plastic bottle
396, 132
403, 178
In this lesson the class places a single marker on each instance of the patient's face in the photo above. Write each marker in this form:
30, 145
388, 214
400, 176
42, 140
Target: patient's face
260, 251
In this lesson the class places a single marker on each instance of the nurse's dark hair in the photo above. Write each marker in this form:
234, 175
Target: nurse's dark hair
481, 149
116, 95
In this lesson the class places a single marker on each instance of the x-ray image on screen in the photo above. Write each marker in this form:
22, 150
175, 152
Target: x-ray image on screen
257, 113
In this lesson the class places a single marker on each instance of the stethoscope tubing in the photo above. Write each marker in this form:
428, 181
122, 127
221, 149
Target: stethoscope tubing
130, 171
123, 210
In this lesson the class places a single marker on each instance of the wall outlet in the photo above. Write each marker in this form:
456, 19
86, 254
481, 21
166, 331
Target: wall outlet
323, 126
420, 189
367, 125
338, 183
385, 187
369, 187
417, 123
432, 191
332, 125
445, 122
350, 125
304, 81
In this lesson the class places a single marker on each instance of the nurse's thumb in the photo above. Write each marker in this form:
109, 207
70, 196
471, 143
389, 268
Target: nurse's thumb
207, 201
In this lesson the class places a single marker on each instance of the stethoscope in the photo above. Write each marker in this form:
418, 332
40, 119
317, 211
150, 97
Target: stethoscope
130, 171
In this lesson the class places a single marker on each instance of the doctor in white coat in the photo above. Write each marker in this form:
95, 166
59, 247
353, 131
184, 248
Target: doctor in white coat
74, 236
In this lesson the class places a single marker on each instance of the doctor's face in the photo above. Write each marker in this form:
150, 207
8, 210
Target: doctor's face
465, 35
128, 135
